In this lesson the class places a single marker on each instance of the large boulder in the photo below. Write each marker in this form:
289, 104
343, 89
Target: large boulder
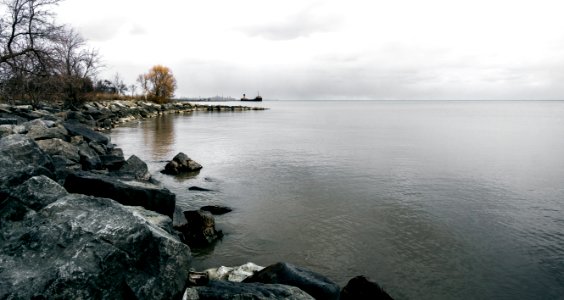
362, 288
181, 163
317, 285
219, 290
61, 148
75, 128
113, 159
20, 159
82, 247
199, 229
126, 192
38, 192
135, 168
43, 132
89, 158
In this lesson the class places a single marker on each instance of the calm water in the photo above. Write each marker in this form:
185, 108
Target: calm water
433, 200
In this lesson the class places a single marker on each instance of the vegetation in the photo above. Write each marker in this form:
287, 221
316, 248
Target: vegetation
43, 61
159, 84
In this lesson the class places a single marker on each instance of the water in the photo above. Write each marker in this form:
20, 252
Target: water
433, 200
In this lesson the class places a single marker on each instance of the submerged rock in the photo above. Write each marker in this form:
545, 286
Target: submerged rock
235, 274
181, 163
199, 229
317, 285
362, 288
126, 192
219, 290
82, 247
200, 189
216, 209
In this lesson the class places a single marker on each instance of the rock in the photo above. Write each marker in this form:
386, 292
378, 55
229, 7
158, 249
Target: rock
89, 157
82, 247
79, 117
318, 286
113, 160
38, 192
135, 168
60, 147
89, 135
126, 192
199, 229
11, 210
20, 159
235, 274
8, 121
197, 188
216, 209
39, 133
100, 149
362, 288
178, 219
219, 290
181, 163
6, 130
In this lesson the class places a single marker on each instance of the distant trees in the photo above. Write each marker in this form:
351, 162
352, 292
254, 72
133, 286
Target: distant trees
40, 60
159, 84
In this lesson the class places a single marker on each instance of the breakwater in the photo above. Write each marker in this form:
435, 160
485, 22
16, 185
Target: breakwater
78, 220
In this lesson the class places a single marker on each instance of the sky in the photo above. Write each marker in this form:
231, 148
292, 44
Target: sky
329, 49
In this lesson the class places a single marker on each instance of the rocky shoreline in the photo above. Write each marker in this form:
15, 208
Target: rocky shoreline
78, 220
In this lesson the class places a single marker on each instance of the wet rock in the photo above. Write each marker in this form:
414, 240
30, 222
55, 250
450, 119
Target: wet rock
82, 247
199, 229
235, 274
181, 163
38, 192
135, 168
8, 121
89, 135
317, 285
216, 209
113, 159
200, 189
178, 218
20, 159
362, 288
219, 290
126, 192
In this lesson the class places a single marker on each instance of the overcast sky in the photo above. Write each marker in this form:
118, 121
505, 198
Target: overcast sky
300, 49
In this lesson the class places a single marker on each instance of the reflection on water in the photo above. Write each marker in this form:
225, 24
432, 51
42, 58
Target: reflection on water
434, 200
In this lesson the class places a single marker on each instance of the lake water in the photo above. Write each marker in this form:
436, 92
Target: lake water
433, 200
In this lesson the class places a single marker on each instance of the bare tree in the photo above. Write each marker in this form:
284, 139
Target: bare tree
120, 86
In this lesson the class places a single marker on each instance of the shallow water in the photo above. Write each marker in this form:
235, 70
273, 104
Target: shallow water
433, 200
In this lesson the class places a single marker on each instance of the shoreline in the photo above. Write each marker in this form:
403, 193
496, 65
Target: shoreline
57, 167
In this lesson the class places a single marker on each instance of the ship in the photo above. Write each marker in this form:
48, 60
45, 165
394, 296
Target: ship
256, 99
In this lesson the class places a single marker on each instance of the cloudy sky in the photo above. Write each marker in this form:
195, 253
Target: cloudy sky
329, 49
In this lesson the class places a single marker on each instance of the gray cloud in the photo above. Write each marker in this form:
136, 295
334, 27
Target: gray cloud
102, 30
301, 24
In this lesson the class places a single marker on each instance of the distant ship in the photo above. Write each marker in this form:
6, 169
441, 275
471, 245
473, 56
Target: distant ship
257, 98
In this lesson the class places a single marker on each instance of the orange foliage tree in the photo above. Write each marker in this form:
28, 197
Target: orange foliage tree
159, 84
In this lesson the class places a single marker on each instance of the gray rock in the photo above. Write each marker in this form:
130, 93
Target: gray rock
135, 168
38, 133
199, 229
60, 147
89, 135
113, 159
100, 149
362, 288
8, 121
181, 163
38, 192
126, 192
79, 117
218, 290
178, 219
89, 157
199, 189
216, 209
6, 130
82, 247
20, 159
317, 285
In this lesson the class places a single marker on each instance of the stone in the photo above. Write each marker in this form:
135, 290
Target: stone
317, 285
20, 159
100, 149
38, 192
200, 189
181, 163
362, 288
89, 135
79, 117
235, 274
135, 168
126, 192
60, 147
219, 290
89, 158
113, 159
216, 209
82, 247
6, 130
38, 133
178, 218
200, 228
8, 121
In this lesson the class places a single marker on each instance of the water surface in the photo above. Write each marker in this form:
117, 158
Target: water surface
433, 200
